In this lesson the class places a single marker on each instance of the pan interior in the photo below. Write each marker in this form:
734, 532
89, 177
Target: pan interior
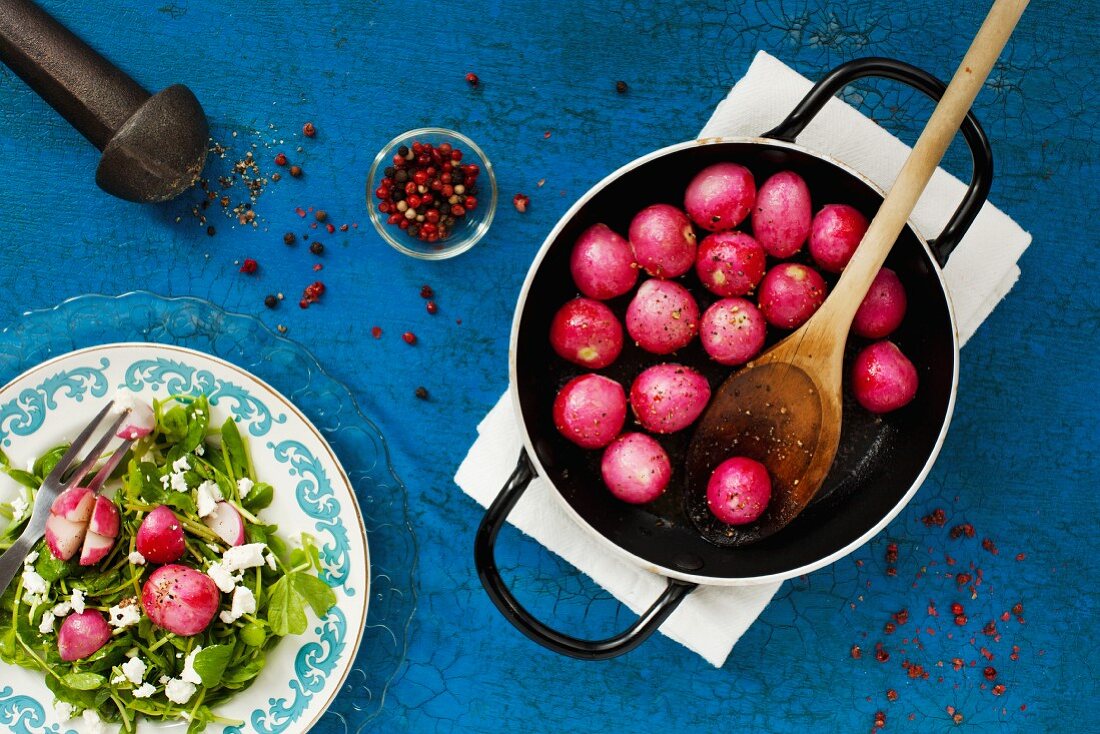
880, 457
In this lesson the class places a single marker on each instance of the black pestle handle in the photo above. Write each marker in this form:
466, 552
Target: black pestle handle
154, 147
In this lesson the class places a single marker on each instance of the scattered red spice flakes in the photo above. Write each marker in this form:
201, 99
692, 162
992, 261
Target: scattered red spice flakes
299, 211
1005, 616
309, 130
957, 663
881, 654
249, 266
891, 571
856, 652
1018, 608
311, 294
409, 337
317, 267
426, 292
960, 530
880, 721
901, 616
998, 689
986, 653
343, 228
932, 609
990, 628
1021, 556
1015, 655
376, 332
960, 619
520, 202
989, 545
937, 518
990, 672
962, 579
433, 307
955, 715
891, 695
280, 159
546, 135
330, 227
889, 628
915, 671
956, 608
891, 552
472, 79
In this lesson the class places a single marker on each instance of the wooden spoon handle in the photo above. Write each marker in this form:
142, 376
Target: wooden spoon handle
926, 155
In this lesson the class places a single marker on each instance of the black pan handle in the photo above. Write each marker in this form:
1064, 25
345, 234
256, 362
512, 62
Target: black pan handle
924, 82
513, 611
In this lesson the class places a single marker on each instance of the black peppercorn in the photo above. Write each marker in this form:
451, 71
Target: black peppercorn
316, 248
620, 87
413, 230
289, 238
271, 301
388, 173
401, 176
210, 231
403, 151
422, 392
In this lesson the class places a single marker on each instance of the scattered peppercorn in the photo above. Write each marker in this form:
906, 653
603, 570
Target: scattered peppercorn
295, 171
271, 301
989, 545
316, 247
289, 238
891, 695
428, 191
376, 332
280, 159
472, 79
309, 130
320, 215
311, 294
938, 517
998, 689
960, 530
520, 202
856, 652
421, 392
620, 87
249, 266
210, 231
409, 337
276, 176
990, 672
281, 328
433, 308
427, 292
881, 654
330, 227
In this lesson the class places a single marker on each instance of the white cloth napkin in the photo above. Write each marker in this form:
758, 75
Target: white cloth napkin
979, 274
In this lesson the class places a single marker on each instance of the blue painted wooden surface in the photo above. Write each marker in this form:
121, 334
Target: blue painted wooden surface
1020, 461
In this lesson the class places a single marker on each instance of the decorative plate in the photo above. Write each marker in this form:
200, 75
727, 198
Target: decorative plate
307, 674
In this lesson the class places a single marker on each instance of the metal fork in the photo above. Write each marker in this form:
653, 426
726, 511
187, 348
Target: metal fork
11, 562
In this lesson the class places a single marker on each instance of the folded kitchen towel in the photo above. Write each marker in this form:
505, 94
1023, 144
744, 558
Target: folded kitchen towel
979, 274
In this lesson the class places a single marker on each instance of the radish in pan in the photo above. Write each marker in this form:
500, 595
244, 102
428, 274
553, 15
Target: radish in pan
160, 536
781, 218
81, 635
883, 379
587, 333
662, 317
602, 263
226, 521
635, 468
730, 263
590, 410
732, 331
834, 236
668, 397
180, 599
720, 196
739, 490
790, 294
883, 308
663, 241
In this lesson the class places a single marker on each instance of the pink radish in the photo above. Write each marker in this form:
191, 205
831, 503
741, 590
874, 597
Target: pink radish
590, 410
104, 518
732, 331
663, 241
662, 317
63, 537
781, 219
95, 548
836, 233
730, 263
635, 468
140, 422
739, 490
883, 308
883, 379
602, 263
81, 635
587, 333
160, 537
790, 294
720, 196
74, 504
668, 397
180, 599
226, 522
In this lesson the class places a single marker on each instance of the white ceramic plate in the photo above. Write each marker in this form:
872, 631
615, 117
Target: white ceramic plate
50, 403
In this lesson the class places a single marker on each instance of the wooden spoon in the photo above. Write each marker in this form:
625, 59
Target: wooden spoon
784, 409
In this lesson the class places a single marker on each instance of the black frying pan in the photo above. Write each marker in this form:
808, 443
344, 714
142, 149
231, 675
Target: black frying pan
882, 459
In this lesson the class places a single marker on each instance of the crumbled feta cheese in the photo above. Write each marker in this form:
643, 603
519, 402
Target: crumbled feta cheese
270, 558
31, 558
166, 481
136, 559
92, 723
63, 710
181, 465
118, 679
250, 555
189, 673
179, 482
223, 578
35, 587
19, 507
244, 602
206, 496
46, 625
200, 450
164, 680
144, 690
60, 610
125, 614
244, 486
134, 670
77, 601
179, 691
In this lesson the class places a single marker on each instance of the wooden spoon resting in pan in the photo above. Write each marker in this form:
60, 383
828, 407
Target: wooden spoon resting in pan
784, 408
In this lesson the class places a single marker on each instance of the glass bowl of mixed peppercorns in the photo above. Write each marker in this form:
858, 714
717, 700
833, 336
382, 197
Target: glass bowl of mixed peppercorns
431, 193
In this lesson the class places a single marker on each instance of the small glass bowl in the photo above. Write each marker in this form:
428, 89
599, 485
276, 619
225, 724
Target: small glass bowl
468, 230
